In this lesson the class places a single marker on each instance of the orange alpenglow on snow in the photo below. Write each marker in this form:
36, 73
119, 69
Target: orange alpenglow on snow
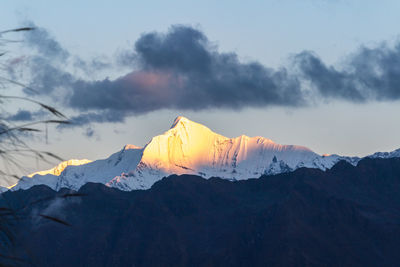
57, 170
186, 148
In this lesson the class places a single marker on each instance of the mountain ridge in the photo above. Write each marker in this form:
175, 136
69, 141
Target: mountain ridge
188, 148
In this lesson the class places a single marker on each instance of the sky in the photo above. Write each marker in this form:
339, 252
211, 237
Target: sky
323, 74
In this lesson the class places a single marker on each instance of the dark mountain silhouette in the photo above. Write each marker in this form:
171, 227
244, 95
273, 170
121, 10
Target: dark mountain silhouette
346, 216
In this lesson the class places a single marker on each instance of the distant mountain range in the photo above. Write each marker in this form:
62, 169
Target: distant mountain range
345, 216
187, 148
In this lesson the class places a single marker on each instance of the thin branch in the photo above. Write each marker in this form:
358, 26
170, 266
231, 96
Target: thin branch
18, 30
33, 123
49, 108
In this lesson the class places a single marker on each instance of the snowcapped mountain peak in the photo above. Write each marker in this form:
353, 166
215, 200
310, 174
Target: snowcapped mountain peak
184, 147
180, 120
187, 148
129, 146
191, 148
185, 126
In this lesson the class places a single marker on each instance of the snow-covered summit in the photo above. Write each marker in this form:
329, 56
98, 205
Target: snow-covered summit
186, 148
189, 147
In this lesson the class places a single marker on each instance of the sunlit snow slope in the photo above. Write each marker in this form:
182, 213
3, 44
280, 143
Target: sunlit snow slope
187, 148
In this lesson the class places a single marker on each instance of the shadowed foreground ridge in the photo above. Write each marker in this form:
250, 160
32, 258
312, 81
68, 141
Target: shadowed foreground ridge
346, 216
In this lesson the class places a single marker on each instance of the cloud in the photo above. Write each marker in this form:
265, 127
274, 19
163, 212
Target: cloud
370, 74
21, 115
89, 132
84, 119
45, 44
87, 118
177, 70
53, 70
26, 115
182, 69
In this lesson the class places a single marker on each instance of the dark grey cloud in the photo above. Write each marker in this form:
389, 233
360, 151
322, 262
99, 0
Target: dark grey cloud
183, 49
26, 115
369, 74
48, 79
92, 65
84, 119
21, 115
182, 69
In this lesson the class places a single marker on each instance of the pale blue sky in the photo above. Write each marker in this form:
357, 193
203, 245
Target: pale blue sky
265, 31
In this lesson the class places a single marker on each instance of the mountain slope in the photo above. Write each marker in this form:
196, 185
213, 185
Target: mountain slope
346, 216
386, 155
57, 170
73, 177
187, 148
